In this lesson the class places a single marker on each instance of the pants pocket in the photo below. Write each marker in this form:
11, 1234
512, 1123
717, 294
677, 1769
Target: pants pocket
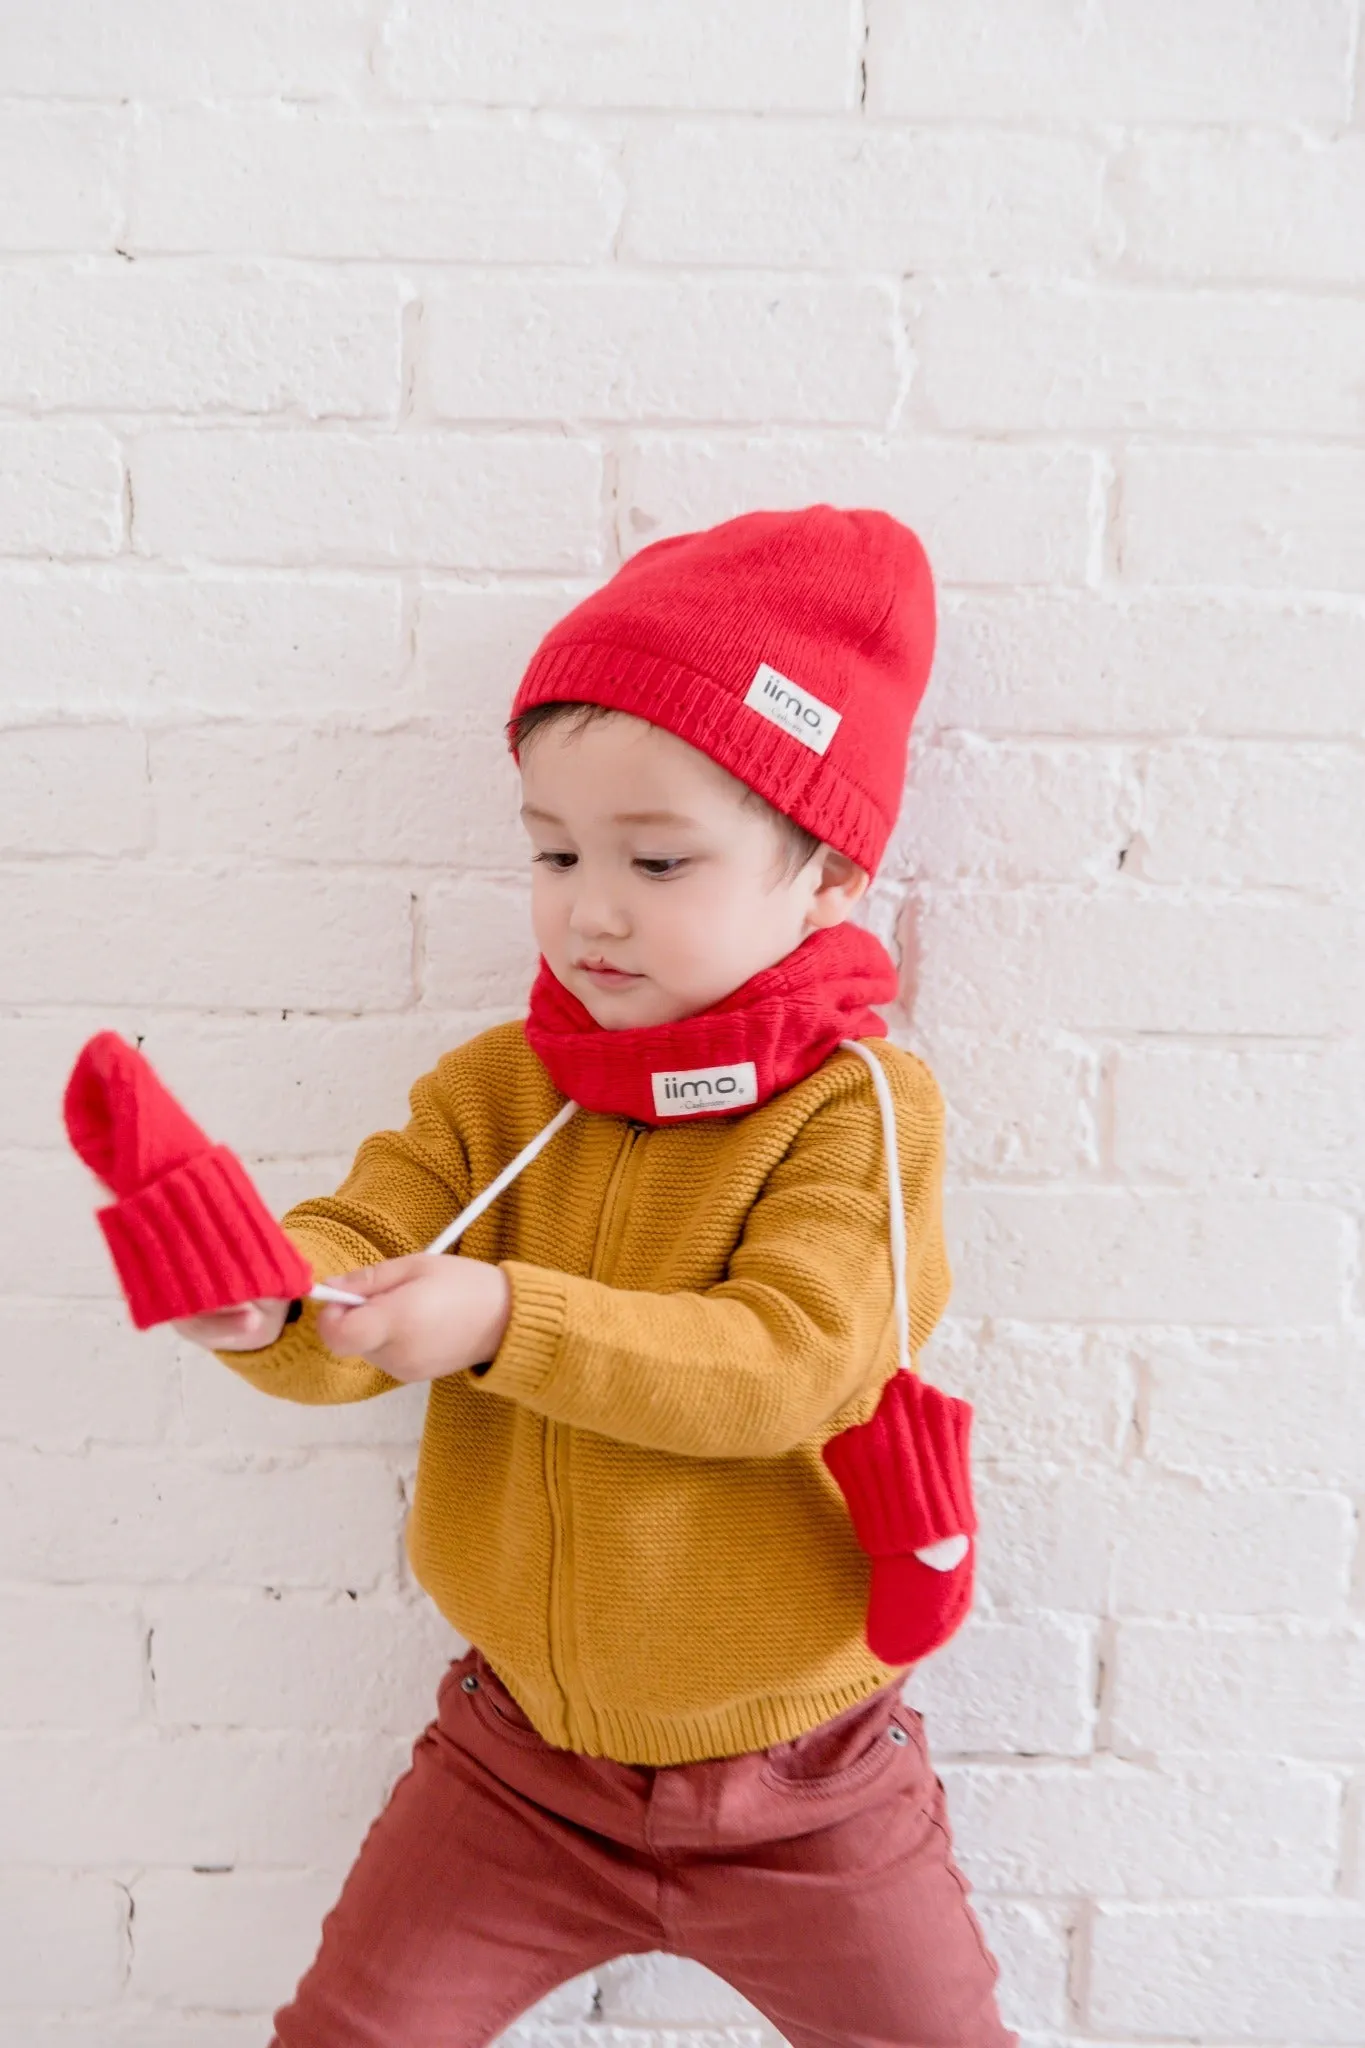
850, 1750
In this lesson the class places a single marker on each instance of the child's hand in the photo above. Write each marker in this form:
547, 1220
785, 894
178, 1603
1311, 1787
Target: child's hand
423, 1316
251, 1326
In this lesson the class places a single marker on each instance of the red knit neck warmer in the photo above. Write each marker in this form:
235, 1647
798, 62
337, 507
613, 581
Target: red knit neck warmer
765, 1036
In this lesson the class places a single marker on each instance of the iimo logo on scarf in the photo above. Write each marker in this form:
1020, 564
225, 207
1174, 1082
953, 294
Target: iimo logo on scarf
783, 702
691, 1089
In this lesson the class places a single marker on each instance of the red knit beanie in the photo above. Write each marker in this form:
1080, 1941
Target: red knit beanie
792, 647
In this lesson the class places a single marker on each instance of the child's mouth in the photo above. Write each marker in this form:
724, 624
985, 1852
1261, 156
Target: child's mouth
604, 975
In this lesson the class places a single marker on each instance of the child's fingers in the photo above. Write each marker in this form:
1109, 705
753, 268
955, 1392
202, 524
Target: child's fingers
354, 1332
241, 1327
369, 1280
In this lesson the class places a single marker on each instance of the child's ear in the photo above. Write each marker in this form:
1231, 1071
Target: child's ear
840, 883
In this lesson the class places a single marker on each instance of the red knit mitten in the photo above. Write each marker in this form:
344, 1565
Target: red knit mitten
906, 1478
188, 1231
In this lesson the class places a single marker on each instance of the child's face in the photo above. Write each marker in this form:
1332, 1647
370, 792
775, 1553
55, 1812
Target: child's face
656, 888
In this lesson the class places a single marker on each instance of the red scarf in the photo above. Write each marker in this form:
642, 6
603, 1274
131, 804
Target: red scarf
763, 1037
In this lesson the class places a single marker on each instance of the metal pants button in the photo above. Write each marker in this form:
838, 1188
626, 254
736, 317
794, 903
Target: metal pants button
897, 1733
469, 1683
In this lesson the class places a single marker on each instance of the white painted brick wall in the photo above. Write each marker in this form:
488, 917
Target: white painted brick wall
343, 345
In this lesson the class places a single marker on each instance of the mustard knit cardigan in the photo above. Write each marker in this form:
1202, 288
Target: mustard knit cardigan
628, 1512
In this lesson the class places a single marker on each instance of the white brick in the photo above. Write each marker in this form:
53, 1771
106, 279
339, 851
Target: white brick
127, 1517
69, 1659
185, 49
68, 789
1123, 1832
134, 2026
1273, 518
1046, 1542
61, 491
37, 1051
1236, 205
263, 1660
424, 797
236, 941
1016, 1106
1353, 1857
1282, 1408
1002, 812
986, 513
225, 1938
473, 644
66, 1938
815, 195
1032, 1946
1052, 1396
192, 1797
51, 1246
1183, 1549
1197, 1113
320, 181
1119, 1256
479, 951
81, 1373
1052, 60
519, 502
62, 175
802, 54
177, 337
298, 1085
1235, 1972
654, 1990
1128, 961
1061, 663
1009, 358
1023, 1687
286, 1182
1252, 817
639, 346
108, 640
1249, 1690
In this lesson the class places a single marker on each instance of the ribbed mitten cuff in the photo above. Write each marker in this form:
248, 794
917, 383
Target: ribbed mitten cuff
199, 1239
906, 1474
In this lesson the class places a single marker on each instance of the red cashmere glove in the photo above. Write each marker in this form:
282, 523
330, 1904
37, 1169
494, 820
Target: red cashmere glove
188, 1231
906, 1478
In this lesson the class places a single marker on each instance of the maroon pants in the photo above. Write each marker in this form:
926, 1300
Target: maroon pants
815, 1876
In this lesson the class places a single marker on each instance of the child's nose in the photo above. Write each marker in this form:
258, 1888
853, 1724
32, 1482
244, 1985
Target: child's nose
595, 914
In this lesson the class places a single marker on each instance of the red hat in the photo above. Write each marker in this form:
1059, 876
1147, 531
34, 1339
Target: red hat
906, 1479
792, 647
188, 1232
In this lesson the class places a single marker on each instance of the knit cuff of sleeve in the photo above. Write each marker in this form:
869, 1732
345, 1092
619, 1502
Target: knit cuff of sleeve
530, 1344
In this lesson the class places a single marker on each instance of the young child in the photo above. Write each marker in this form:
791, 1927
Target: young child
674, 1730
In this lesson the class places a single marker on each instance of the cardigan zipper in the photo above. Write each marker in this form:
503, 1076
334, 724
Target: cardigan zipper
557, 1452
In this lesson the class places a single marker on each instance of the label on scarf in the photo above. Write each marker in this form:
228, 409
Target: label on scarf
782, 702
689, 1089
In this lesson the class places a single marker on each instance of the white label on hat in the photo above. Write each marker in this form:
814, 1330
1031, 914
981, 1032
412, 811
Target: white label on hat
783, 702
689, 1090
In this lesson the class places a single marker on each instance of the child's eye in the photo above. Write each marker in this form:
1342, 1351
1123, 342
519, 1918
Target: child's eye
661, 867
559, 862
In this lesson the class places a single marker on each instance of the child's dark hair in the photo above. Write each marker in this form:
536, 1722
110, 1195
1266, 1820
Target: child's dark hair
800, 845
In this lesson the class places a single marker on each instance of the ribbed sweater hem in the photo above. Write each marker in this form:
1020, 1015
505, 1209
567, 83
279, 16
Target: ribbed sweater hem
634, 1736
